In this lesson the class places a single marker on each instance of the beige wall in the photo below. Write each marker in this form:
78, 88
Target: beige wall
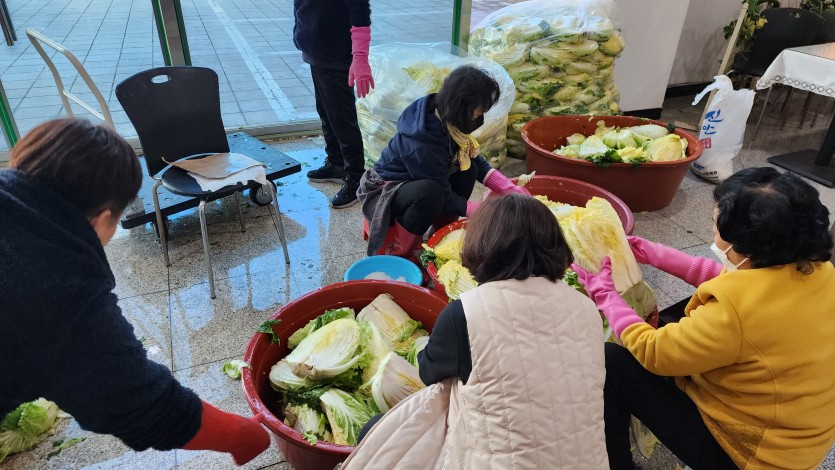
702, 46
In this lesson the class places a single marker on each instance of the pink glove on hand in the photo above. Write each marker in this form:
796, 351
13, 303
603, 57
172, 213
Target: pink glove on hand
601, 289
471, 207
360, 71
500, 184
693, 270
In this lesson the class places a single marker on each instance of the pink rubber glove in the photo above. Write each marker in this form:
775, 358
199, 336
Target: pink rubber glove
360, 71
500, 184
601, 289
693, 270
471, 207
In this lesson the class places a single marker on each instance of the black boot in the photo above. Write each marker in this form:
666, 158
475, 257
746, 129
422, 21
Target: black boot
347, 196
327, 173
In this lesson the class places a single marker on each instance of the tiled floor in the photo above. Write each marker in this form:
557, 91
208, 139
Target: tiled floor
193, 335
263, 80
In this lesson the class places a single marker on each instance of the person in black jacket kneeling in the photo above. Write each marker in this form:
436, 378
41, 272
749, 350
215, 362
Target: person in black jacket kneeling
62, 334
427, 173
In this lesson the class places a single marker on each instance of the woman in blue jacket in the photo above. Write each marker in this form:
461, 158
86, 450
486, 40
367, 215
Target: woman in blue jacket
427, 173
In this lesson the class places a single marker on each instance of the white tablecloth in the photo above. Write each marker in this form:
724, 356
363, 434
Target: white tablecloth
810, 68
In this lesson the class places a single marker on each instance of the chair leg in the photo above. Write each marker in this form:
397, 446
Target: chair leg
817, 111
280, 225
240, 214
805, 109
765, 105
160, 228
205, 232
783, 115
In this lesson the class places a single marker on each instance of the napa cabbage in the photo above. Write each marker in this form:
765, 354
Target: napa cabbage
309, 421
456, 279
395, 380
26, 426
393, 323
318, 322
346, 415
328, 351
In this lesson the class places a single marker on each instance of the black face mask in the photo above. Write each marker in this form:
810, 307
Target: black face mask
472, 125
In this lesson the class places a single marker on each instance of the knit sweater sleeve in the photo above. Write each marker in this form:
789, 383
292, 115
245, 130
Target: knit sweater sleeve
709, 338
447, 354
359, 11
107, 383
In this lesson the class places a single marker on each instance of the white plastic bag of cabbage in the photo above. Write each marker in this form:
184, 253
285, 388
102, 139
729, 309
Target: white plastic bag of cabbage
404, 72
560, 54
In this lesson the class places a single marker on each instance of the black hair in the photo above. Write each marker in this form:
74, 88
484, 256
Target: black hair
514, 237
773, 218
91, 166
466, 89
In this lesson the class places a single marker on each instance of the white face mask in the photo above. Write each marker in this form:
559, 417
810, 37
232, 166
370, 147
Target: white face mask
723, 257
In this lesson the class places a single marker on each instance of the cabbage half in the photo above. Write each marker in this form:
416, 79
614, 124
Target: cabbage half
283, 378
376, 348
393, 323
395, 380
346, 415
310, 422
418, 346
456, 279
319, 322
327, 352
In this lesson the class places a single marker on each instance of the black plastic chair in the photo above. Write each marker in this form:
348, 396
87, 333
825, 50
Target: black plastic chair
176, 114
827, 34
784, 28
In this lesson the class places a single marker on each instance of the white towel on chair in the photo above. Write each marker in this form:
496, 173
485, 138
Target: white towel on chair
219, 170
255, 173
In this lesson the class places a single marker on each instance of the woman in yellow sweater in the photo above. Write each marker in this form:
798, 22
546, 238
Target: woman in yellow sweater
752, 359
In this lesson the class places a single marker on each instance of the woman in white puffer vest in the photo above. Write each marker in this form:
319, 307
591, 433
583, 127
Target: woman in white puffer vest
515, 368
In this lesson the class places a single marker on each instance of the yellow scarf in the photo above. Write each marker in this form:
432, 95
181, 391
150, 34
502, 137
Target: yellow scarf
467, 145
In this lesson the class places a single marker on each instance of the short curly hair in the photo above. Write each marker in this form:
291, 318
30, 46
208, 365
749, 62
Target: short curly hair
514, 237
773, 218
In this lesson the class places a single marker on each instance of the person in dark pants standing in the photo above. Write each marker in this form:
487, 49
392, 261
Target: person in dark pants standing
334, 36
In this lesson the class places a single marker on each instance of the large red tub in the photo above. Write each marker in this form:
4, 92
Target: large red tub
644, 187
421, 304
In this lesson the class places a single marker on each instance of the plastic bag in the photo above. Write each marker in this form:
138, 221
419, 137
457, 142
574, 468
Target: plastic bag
560, 54
405, 72
723, 129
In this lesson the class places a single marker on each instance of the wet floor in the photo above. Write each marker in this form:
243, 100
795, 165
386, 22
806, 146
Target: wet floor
193, 335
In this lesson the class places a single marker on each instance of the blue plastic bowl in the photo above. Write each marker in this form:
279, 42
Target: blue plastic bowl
395, 267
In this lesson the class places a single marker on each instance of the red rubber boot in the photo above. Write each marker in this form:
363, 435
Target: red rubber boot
406, 243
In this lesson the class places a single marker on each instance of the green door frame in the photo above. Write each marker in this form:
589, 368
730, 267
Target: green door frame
171, 29
7, 120
461, 14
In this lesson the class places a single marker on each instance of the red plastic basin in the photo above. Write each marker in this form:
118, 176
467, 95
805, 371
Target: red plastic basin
645, 187
555, 188
420, 303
